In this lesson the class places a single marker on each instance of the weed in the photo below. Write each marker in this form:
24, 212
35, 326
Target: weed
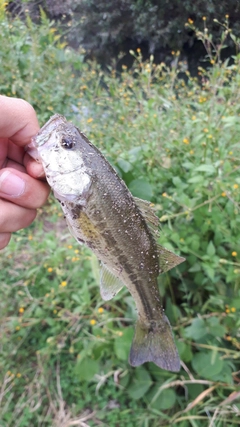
63, 355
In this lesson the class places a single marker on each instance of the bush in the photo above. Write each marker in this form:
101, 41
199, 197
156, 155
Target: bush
107, 28
63, 352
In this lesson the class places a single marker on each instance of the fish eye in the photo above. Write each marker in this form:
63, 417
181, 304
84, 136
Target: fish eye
67, 143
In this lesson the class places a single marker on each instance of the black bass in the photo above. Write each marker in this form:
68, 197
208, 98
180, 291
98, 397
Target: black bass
119, 229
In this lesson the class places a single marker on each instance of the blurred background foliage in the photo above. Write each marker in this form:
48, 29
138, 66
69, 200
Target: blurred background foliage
175, 141
108, 29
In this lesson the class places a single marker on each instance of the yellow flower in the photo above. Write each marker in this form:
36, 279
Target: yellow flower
21, 310
76, 251
89, 120
227, 310
69, 246
50, 269
100, 310
191, 152
233, 309
209, 136
18, 375
204, 18
164, 194
64, 283
230, 152
226, 16
223, 194
190, 21
138, 50
234, 253
235, 186
30, 237
17, 328
54, 311
205, 130
93, 322
186, 140
194, 117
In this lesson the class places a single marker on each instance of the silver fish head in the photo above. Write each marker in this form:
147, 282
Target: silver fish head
57, 146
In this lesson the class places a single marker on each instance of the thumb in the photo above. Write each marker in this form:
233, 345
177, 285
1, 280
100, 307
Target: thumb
22, 189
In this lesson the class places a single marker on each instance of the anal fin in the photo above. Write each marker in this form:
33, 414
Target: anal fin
110, 284
167, 259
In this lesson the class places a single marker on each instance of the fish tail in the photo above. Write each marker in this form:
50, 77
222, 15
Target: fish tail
153, 342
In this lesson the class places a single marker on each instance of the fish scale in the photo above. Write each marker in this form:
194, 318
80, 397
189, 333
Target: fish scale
102, 213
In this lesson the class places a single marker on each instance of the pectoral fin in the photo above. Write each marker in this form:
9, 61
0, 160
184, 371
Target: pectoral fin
110, 285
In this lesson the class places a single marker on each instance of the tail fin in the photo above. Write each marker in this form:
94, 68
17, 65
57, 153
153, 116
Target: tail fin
154, 343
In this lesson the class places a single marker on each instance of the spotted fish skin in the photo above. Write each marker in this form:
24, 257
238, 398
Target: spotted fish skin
102, 213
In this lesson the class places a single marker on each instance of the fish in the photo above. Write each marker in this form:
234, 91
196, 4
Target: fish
120, 229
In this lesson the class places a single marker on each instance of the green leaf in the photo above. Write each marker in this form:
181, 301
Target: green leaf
140, 384
122, 344
86, 369
211, 249
207, 365
197, 329
162, 401
215, 328
209, 270
206, 168
141, 188
124, 165
185, 351
196, 179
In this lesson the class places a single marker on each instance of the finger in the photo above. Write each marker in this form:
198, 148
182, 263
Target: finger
14, 217
14, 165
4, 239
16, 156
35, 169
18, 120
22, 189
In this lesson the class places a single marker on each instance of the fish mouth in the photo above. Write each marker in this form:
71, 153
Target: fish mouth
44, 134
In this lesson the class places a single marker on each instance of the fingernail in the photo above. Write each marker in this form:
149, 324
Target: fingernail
11, 184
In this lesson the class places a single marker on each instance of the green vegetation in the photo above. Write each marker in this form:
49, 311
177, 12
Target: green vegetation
106, 28
63, 351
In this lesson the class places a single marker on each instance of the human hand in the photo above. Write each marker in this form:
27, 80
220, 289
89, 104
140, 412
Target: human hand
21, 190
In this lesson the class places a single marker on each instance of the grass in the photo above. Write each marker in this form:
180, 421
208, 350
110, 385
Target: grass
63, 351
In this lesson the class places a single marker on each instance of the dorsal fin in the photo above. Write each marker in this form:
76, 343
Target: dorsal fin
110, 285
167, 259
149, 215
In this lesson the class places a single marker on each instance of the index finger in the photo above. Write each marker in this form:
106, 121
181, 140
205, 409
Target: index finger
18, 120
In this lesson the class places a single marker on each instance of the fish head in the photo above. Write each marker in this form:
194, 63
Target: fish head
57, 147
